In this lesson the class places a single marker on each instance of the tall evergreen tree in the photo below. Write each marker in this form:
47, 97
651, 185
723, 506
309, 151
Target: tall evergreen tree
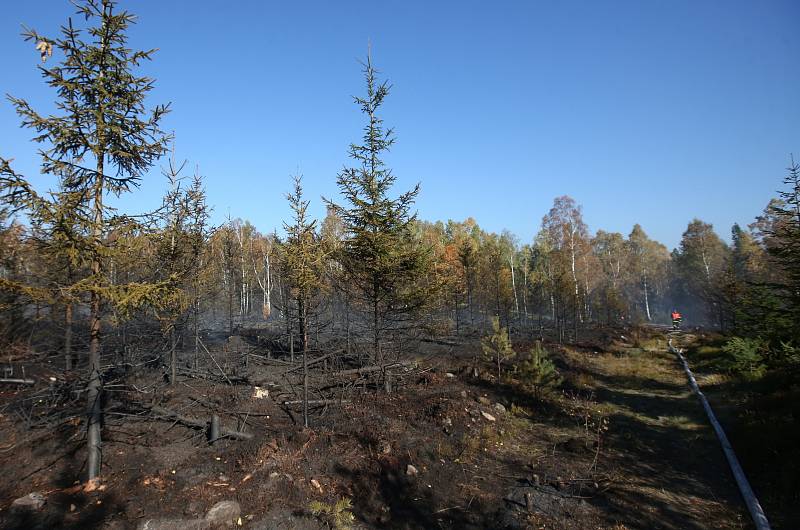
178, 244
379, 255
304, 261
102, 141
786, 241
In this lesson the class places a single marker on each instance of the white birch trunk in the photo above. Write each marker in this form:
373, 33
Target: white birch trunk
514, 284
646, 298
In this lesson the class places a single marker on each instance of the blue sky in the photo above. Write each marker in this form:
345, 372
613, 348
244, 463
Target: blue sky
644, 111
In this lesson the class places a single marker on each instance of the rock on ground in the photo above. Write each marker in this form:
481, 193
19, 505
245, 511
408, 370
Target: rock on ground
224, 512
31, 501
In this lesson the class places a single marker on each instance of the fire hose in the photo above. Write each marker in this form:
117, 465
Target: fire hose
756, 512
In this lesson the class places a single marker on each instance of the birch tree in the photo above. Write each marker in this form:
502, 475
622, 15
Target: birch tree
701, 260
569, 235
648, 267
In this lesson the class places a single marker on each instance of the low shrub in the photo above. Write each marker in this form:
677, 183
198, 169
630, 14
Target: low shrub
745, 356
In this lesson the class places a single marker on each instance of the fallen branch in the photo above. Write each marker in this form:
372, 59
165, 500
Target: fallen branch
18, 381
262, 359
211, 376
309, 363
376, 368
215, 362
440, 342
318, 401
198, 424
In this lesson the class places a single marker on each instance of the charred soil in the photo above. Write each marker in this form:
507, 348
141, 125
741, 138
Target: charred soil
621, 444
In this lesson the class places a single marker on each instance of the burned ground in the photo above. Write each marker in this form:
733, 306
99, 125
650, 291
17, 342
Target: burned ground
622, 444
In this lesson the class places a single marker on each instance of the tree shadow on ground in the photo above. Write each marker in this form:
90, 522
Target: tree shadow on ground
679, 478
68, 506
669, 472
639, 382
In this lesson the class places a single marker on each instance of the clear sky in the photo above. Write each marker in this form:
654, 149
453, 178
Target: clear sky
644, 111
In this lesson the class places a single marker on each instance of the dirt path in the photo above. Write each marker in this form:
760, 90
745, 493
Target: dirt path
672, 473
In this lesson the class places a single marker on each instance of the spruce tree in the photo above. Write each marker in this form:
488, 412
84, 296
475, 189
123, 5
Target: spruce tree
303, 257
101, 141
786, 238
178, 245
379, 255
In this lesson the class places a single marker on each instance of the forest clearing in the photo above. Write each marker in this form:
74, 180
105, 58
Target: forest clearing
168, 367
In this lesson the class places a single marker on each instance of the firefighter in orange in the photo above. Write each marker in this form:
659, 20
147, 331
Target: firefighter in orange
676, 319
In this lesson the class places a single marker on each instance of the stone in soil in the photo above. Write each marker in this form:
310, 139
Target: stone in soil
31, 501
224, 512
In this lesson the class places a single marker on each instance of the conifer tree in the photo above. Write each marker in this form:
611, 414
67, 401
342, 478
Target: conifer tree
101, 141
539, 371
497, 346
467, 258
786, 246
304, 259
199, 233
379, 255
179, 241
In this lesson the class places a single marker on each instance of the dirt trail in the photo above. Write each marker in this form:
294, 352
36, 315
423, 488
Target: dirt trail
672, 473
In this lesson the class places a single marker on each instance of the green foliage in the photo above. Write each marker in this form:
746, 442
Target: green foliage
381, 258
745, 356
539, 371
178, 244
338, 515
497, 346
788, 354
101, 140
303, 254
700, 264
784, 244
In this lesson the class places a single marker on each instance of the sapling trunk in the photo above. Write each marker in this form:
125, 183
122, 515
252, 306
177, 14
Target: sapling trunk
68, 336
